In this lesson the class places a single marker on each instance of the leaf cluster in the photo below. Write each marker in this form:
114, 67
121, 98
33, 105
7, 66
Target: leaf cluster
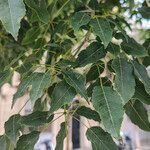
71, 55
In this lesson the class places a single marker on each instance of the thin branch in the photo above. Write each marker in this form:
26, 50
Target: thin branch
81, 122
23, 106
87, 35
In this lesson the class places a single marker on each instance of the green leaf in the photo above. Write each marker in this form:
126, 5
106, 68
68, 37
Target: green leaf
3, 143
14, 61
40, 82
138, 115
39, 43
60, 137
124, 79
94, 52
23, 86
79, 19
10, 146
131, 4
101, 28
25, 68
31, 35
39, 105
133, 48
12, 128
40, 8
146, 61
11, 13
94, 4
62, 94
100, 139
118, 23
37, 118
141, 94
104, 99
91, 87
145, 12
88, 113
114, 49
105, 82
33, 17
146, 44
27, 142
5, 77
77, 81
93, 73
60, 28
141, 72
66, 63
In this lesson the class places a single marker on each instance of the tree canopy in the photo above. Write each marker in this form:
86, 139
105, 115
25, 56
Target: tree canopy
68, 48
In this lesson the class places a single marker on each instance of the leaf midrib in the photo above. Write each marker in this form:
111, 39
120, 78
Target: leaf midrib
76, 85
139, 116
99, 139
12, 22
101, 31
38, 89
84, 60
109, 111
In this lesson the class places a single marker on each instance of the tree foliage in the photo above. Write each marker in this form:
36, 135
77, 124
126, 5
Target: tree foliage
64, 49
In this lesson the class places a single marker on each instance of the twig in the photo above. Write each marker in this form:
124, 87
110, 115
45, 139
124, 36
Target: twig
23, 106
83, 42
